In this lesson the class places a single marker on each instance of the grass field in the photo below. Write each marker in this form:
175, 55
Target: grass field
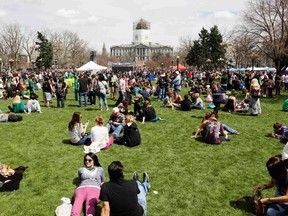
191, 178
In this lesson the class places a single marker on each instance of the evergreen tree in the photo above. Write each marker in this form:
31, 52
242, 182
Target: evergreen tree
207, 51
45, 50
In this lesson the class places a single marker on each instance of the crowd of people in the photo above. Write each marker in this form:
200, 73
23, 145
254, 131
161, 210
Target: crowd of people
125, 197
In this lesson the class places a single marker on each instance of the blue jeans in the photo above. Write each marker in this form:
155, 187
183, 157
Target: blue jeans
84, 140
276, 210
114, 129
102, 97
143, 187
229, 130
81, 94
161, 93
76, 93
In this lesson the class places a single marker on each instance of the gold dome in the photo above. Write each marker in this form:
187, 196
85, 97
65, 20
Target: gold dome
141, 25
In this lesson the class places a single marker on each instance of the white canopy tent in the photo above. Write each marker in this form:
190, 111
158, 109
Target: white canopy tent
91, 66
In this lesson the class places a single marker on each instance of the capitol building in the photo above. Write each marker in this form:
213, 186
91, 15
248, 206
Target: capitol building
142, 48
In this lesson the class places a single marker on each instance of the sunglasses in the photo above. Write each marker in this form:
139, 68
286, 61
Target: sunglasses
88, 160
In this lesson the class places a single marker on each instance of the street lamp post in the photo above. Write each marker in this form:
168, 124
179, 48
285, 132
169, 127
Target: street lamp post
11, 63
162, 66
177, 59
0, 65
172, 62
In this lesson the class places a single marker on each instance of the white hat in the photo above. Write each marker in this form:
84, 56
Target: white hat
285, 152
115, 109
177, 72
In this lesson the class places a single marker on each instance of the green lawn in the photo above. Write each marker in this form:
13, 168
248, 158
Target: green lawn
191, 178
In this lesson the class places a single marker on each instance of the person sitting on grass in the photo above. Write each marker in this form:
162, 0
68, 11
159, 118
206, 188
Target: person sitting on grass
280, 132
17, 105
91, 177
197, 102
168, 100
116, 122
124, 197
33, 104
185, 104
213, 132
131, 135
203, 125
77, 131
99, 137
230, 105
148, 113
276, 205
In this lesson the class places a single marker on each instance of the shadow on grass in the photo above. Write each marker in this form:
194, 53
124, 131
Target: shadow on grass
66, 141
245, 204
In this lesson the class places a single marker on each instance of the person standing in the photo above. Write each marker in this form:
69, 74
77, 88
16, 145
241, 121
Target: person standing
177, 82
254, 98
122, 90
217, 92
47, 89
61, 87
124, 197
103, 91
76, 87
83, 89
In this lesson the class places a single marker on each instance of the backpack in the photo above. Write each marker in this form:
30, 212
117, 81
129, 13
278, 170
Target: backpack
15, 118
212, 132
96, 89
256, 93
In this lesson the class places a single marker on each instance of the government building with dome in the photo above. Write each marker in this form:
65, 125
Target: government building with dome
142, 48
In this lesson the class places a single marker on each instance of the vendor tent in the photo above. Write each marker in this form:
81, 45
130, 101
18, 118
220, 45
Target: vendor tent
91, 66
180, 67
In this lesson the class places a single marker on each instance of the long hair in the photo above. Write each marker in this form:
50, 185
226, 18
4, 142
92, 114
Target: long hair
116, 171
277, 170
94, 158
75, 119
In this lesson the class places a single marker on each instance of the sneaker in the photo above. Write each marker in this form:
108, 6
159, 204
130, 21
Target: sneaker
146, 177
135, 176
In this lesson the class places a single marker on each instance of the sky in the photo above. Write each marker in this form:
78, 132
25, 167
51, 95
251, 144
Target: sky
111, 21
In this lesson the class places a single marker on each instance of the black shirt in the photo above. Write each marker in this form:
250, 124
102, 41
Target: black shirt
83, 84
122, 198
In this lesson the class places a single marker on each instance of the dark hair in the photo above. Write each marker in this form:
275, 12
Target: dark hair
116, 171
94, 158
277, 170
75, 119
277, 126
101, 77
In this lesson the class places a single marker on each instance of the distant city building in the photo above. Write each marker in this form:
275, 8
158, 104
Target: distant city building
104, 51
142, 48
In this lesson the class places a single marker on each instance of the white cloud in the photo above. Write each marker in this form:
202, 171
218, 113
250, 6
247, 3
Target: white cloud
67, 13
222, 15
93, 19
2, 13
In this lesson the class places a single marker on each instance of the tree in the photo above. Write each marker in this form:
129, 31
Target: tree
29, 44
45, 49
207, 50
12, 37
266, 22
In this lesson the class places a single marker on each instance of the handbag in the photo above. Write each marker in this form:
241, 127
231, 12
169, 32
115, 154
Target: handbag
259, 207
97, 89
